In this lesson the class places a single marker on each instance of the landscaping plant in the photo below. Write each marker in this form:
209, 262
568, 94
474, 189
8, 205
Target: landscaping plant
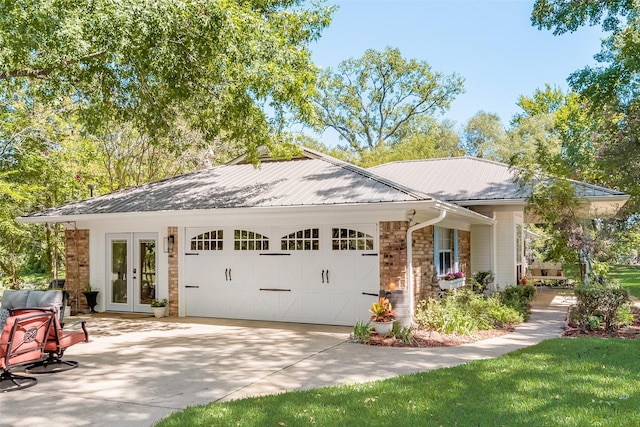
361, 331
602, 300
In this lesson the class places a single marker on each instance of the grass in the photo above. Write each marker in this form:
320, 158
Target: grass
629, 277
559, 382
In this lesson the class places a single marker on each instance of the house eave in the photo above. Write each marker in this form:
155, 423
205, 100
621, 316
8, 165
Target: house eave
423, 207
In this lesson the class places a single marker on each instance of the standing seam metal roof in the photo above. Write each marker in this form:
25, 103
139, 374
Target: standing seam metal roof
313, 180
467, 179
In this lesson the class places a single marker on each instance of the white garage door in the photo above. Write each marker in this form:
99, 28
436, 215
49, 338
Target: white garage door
326, 275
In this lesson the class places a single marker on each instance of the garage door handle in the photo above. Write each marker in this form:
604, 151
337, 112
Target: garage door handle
227, 274
369, 293
275, 290
327, 275
275, 254
369, 254
191, 253
192, 286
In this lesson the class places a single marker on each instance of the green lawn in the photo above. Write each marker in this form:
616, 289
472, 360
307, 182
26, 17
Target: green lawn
629, 277
559, 382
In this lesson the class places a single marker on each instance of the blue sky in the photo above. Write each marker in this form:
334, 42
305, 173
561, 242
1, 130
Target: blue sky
490, 43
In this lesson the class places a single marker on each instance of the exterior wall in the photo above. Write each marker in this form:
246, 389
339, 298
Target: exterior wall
393, 253
482, 249
505, 249
393, 258
426, 284
173, 273
464, 252
77, 267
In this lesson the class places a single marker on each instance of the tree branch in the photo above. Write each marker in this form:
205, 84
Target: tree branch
34, 74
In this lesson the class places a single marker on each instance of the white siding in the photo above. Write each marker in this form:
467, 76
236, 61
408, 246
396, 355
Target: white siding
505, 249
481, 248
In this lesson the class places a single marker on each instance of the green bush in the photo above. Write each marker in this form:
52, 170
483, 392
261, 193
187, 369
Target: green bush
480, 281
601, 300
624, 316
518, 298
465, 312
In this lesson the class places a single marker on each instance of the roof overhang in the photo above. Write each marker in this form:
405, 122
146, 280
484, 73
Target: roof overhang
420, 210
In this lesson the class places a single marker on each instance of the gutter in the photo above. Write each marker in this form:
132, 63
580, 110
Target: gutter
410, 230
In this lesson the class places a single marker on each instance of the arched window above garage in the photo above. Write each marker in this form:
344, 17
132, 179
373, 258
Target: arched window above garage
208, 241
301, 240
347, 239
246, 240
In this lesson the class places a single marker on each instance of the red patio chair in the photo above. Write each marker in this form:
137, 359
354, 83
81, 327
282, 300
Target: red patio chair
22, 342
59, 340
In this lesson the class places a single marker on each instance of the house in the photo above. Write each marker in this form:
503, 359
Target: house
310, 239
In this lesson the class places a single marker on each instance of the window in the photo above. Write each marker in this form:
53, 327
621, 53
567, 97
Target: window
345, 239
209, 241
244, 240
445, 245
301, 240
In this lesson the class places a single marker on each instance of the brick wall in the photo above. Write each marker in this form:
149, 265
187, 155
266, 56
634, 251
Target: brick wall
423, 264
173, 273
464, 252
393, 258
393, 252
77, 268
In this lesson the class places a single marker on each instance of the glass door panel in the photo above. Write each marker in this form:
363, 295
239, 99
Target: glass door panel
145, 272
119, 271
131, 274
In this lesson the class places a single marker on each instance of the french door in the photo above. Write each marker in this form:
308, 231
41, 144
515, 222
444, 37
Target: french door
131, 271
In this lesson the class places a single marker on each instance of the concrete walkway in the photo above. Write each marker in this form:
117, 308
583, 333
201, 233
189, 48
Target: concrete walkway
136, 371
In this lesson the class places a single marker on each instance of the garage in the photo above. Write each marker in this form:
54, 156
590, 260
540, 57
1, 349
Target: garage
325, 274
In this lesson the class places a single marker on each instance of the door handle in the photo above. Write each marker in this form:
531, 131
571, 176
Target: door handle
327, 275
226, 274
322, 276
229, 274
192, 286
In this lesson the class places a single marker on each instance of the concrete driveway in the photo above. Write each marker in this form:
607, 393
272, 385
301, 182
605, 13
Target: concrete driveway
136, 370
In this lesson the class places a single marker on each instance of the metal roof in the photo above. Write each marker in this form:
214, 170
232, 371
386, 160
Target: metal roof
312, 179
469, 179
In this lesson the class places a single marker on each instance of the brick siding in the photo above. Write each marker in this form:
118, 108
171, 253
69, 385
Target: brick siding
173, 273
77, 268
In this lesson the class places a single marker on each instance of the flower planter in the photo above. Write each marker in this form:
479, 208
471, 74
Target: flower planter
158, 311
383, 328
92, 300
451, 284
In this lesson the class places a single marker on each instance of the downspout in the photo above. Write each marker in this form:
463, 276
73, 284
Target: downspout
410, 231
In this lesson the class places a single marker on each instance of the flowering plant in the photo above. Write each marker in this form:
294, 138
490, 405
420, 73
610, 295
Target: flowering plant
453, 276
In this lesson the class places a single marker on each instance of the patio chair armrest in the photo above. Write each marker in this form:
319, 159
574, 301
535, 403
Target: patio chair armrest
83, 325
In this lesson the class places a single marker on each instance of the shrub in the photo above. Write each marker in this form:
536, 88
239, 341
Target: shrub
445, 316
465, 312
624, 316
518, 298
601, 300
480, 281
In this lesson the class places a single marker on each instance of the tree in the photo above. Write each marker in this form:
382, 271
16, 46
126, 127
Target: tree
222, 64
610, 90
372, 101
484, 136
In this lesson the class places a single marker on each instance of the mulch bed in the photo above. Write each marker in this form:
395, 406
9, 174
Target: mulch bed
628, 332
422, 338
